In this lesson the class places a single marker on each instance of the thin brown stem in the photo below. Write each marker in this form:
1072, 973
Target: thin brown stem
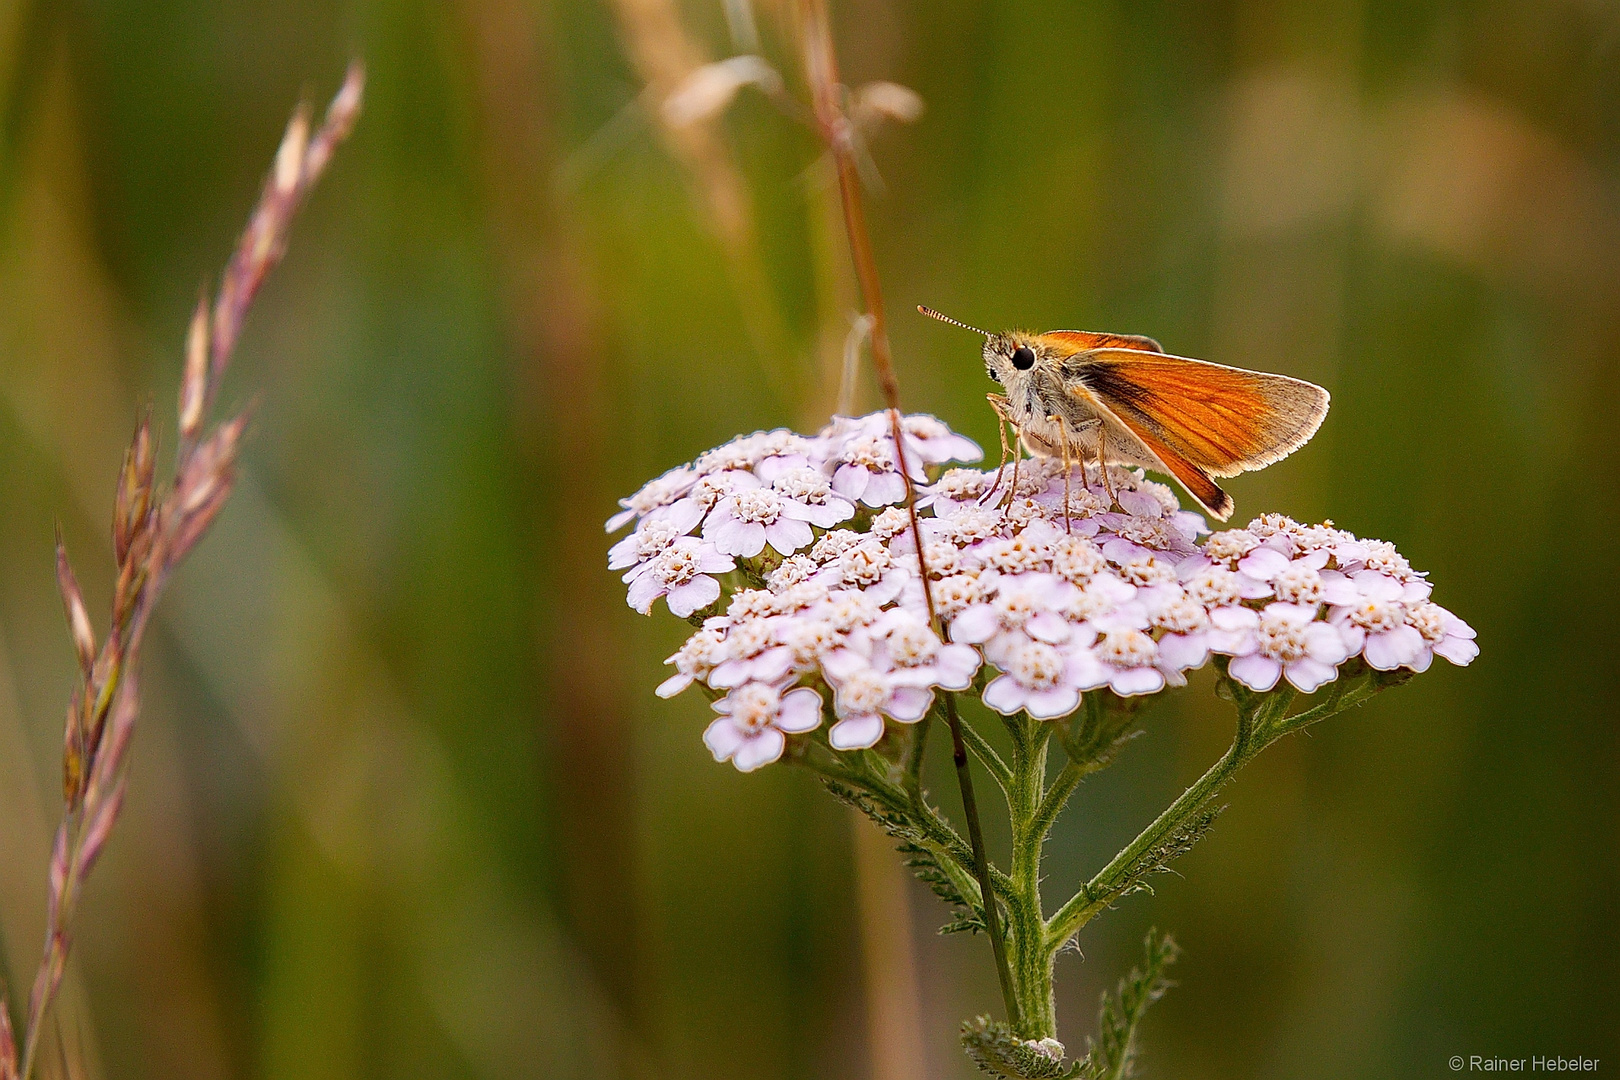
821, 64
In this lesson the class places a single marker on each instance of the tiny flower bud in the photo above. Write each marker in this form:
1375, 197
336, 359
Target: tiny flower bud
194, 382
73, 751
204, 486
134, 495
289, 167
132, 576
84, 637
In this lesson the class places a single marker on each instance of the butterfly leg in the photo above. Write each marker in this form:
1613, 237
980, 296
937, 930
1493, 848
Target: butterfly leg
999, 405
1017, 456
1102, 465
1063, 438
1071, 438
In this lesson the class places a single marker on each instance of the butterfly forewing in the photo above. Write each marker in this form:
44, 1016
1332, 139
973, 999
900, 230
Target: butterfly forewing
1086, 341
1223, 420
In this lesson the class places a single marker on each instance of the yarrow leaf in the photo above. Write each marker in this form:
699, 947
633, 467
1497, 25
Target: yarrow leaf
1111, 1056
996, 1050
968, 915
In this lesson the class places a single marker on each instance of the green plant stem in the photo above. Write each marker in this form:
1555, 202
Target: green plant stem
1106, 886
1052, 803
1262, 720
988, 757
1032, 964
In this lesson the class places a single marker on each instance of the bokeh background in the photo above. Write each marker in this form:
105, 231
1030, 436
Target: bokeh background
403, 804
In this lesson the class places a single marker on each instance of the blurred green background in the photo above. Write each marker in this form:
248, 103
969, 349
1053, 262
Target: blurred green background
403, 804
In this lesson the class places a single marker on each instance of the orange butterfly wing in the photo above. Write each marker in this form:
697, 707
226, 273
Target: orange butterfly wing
1086, 341
1222, 420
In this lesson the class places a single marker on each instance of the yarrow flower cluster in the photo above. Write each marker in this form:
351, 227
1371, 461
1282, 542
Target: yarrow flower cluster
797, 556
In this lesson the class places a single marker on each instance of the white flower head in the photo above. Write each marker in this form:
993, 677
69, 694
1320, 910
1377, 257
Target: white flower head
808, 546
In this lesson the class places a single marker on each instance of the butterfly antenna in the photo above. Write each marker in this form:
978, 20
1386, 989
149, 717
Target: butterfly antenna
932, 314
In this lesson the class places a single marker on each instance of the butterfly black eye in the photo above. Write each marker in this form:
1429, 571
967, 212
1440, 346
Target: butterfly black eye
1023, 358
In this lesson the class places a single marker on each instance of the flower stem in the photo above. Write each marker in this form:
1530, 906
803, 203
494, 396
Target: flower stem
1262, 720
1036, 1018
1106, 886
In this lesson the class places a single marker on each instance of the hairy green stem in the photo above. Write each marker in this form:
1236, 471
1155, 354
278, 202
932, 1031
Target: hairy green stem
1106, 886
1262, 720
1032, 964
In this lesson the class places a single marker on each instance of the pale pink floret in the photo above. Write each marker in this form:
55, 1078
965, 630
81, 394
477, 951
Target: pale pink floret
810, 497
934, 442
1184, 625
1038, 678
744, 522
1190, 524
1443, 634
654, 494
765, 665
681, 575
1284, 640
1370, 613
694, 660
929, 440
648, 541
1140, 504
689, 511
1128, 536
861, 695
755, 720
1122, 658
957, 487
1269, 571
891, 668
866, 472
864, 563
1023, 607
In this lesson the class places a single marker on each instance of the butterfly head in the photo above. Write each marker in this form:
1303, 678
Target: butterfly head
1010, 357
